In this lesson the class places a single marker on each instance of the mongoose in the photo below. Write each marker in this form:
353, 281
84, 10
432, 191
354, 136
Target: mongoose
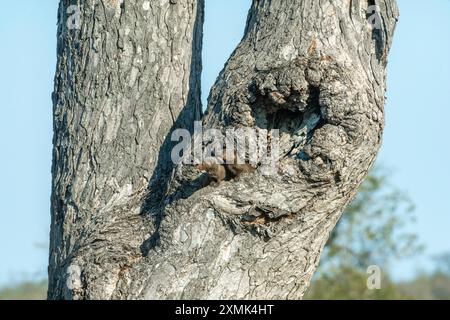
218, 172
235, 169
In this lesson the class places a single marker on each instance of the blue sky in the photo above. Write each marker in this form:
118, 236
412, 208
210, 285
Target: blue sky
416, 142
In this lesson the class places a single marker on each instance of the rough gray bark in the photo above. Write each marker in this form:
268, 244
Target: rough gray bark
126, 225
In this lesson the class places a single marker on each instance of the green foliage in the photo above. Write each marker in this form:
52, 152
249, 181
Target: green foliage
372, 231
374, 227
347, 283
25, 291
430, 286
435, 286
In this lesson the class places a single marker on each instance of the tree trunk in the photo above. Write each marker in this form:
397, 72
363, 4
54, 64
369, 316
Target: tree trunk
128, 224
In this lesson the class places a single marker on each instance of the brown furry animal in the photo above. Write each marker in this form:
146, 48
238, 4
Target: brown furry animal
235, 169
218, 172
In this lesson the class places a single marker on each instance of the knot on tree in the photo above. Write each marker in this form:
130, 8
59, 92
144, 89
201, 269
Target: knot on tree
312, 102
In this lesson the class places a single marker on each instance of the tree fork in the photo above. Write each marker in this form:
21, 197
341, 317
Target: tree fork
126, 224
